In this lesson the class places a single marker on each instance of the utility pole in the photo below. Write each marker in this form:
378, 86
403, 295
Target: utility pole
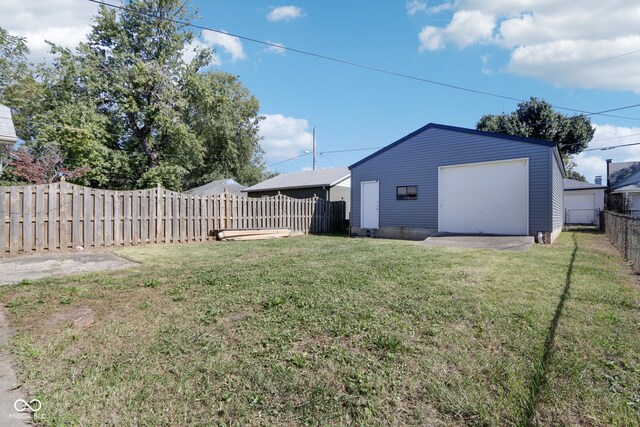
314, 148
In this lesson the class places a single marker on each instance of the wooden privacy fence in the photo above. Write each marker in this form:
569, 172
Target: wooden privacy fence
63, 215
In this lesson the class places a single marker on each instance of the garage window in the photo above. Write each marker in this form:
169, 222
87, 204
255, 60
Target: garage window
407, 192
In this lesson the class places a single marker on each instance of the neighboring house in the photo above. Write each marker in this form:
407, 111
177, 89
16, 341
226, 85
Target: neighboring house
449, 179
7, 131
624, 185
331, 184
583, 201
217, 187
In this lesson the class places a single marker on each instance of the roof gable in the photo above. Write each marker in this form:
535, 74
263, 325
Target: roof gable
459, 130
624, 174
313, 178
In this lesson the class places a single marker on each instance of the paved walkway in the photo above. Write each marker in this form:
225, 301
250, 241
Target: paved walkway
501, 243
13, 270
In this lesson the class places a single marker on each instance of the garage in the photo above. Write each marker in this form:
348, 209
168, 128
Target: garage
442, 178
487, 197
582, 202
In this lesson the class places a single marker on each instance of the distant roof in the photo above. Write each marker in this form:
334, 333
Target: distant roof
624, 174
633, 188
461, 130
305, 179
218, 187
572, 184
7, 131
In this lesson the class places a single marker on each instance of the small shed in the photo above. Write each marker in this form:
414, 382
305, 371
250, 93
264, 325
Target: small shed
449, 179
217, 187
332, 184
583, 202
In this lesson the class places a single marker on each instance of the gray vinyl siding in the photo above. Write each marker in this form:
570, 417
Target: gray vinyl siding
415, 161
557, 192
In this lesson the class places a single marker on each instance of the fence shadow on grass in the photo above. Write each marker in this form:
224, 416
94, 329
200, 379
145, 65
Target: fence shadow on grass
540, 369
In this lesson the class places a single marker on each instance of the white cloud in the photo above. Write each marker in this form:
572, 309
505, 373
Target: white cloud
465, 28
431, 38
593, 163
415, 6
63, 22
284, 137
552, 40
277, 48
285, 13
485, 68
230, 44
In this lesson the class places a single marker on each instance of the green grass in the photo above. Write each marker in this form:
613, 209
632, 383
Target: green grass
331, 330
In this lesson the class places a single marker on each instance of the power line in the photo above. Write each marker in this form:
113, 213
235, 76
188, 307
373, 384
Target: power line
356, 64
592, 63
288, 160
615, 137
353, 149
612, 147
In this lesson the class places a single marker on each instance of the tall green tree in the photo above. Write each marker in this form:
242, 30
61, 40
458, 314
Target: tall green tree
536, 118
225, 118
13, 59
131, 111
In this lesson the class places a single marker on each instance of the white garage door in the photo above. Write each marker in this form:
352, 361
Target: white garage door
580, 208
490, 197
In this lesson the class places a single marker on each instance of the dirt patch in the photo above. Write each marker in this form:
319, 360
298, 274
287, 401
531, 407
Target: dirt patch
33, 267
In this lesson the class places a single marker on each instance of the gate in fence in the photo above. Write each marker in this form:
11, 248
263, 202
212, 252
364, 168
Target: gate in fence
62, 215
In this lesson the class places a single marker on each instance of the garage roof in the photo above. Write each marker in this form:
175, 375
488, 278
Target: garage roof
313, 178
572, 184
456, 129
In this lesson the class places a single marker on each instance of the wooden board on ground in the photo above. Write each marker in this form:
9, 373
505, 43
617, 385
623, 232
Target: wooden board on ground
233, 233
259, 237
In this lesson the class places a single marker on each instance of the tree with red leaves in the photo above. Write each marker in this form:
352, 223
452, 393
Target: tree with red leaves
42, 166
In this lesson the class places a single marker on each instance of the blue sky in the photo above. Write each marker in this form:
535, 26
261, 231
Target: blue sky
550, 49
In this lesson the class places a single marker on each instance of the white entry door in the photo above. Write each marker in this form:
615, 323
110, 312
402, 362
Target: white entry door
369, 204
491, 197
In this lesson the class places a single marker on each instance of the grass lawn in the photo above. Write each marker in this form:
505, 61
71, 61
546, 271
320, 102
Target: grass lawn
332, 330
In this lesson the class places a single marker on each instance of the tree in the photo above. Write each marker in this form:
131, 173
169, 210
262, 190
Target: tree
224, 116
537, 119
13, 59
129, 108
41, 166
133, 68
